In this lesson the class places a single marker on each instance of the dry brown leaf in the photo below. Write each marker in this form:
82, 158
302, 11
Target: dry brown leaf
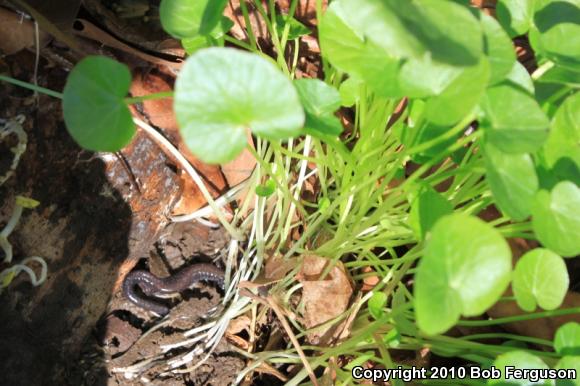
158, 111
239, 324
241, 168
276, 267
323, 299
369, 282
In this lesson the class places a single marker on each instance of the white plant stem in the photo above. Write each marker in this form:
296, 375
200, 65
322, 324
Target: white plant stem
171, 151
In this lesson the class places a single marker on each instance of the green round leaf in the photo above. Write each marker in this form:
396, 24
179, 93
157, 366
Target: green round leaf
515, 15
513, 181
212, 15
498, 47
182, 18
520, 360
185, 19
349, 52
514, 122
376, 304
408, 29
350, 91
266, 189
296, 29
425, 77
557, 23
426, 209
95, 113
541, 278
520, 76
556, 218
320, 101
465, 269
567, 339
221, 93
569, 363
564, 138
460, 97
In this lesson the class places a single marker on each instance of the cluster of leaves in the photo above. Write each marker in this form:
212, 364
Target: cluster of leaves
473, 114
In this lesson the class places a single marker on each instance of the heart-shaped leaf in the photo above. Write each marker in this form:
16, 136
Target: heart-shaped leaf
514, 122
348, 51
515, 15
221, 93
556, 218
95, 112
519, 75
564, 138
519, 360
320, 101
498, 47
465, 269
513, 181
426, 209
460, 97
190, 18
411, 28
556, 29
541, 278
567, 339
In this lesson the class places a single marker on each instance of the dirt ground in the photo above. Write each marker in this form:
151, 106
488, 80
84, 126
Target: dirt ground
99, 216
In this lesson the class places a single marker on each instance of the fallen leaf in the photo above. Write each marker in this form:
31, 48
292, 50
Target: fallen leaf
326, 298
276, 267
369, 282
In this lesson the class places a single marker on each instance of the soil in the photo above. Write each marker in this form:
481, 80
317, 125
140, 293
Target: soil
99, 216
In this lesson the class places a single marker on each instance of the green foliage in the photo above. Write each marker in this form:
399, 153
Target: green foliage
556, 30
519, 360
567, 339
95, 113
186, 19
569, 363
513, 122
498, 47
556, 218
475, 122
513, 181
426, 209
376, 304
515, 16
564, 139
541, 278
320, 102
267, 189
296, 29
235, 92
465, 269
348, 51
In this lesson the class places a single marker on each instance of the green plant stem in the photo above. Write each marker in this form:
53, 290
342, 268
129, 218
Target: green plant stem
457, 129
542, 70
157, 95
528, 339
31, 86
274, 35
286, 30
249, 30
238, 43
519, 318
